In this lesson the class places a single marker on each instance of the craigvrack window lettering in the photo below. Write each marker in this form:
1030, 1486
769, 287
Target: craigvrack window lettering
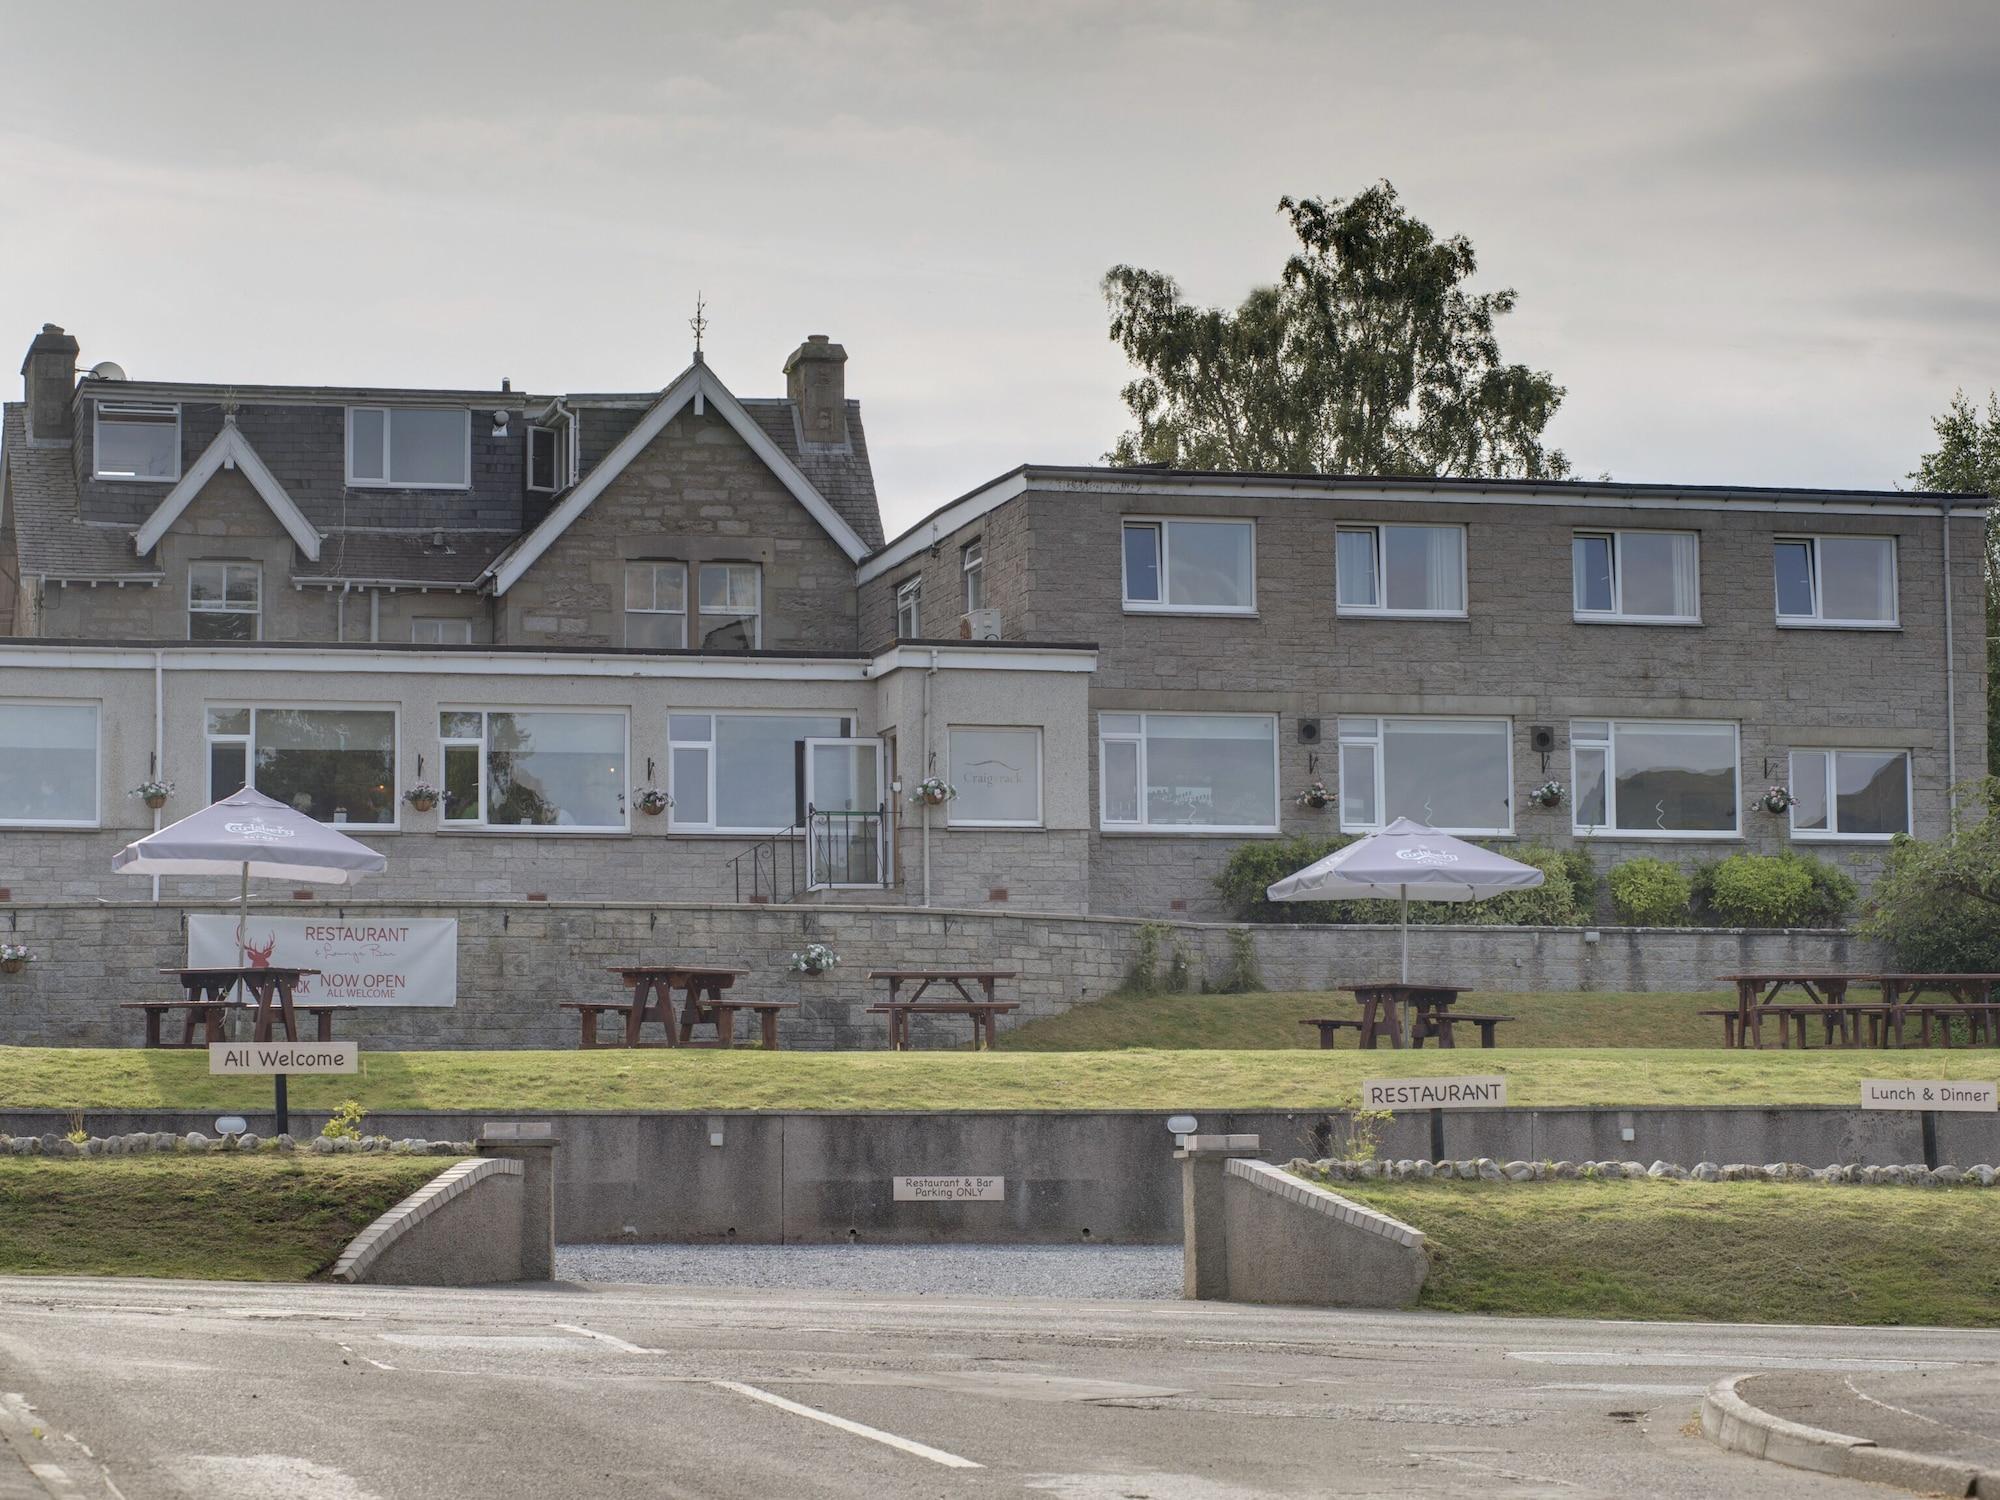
525, 769
997, 774
48, 764
334, 764
1213, 773
1654, 778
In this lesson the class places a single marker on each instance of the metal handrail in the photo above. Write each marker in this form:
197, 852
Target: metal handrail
756, 854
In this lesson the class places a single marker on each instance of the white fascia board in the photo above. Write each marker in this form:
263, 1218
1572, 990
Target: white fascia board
951, 518
308, 662
233, 450
696, 381
983, 659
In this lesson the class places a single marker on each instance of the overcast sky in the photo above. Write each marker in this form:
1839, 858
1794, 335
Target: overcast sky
1759, 244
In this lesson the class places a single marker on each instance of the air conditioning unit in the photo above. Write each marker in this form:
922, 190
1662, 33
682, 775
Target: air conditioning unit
979, 625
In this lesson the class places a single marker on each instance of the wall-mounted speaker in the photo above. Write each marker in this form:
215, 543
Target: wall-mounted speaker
1309, 731
1541, 738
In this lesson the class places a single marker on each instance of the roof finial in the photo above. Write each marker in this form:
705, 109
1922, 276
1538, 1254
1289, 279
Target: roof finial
699, 323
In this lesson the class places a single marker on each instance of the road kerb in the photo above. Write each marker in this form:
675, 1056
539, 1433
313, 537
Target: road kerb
1731, 1422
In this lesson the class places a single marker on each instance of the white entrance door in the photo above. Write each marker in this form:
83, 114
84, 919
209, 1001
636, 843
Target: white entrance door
846, 841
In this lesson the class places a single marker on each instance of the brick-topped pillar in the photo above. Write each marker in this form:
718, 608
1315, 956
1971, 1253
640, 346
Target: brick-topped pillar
1204, 1225
533, 1144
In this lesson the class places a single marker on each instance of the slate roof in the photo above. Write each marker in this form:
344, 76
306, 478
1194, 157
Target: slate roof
53, 539
404, 557
841, 473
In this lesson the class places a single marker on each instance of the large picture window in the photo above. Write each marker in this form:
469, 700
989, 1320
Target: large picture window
225, 601
334, 764
527, 769
1850, 794
1650, 577
1836, 580
1211, 773
409, 447
997, 774
743, 773
1454, 774
48, 764
1201, 567
1399, 570
1654, 778
137, 442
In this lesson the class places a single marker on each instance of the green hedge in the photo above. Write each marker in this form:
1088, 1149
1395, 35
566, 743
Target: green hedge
1567, 898
1650, 893
1773, 890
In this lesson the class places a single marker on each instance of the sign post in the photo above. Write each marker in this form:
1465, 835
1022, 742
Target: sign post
1488, 1091
1927, 1097
281, 1059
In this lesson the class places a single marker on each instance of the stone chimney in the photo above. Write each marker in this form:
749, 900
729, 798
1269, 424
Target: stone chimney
50, 381
818, 388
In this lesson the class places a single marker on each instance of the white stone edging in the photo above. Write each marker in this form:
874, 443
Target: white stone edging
1485, 1169
1308, 1195
1730, 1422
368, 1246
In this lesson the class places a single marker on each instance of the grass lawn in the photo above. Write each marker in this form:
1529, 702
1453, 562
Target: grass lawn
1739, 1252
1255, 1022
221, 1218
132, 1078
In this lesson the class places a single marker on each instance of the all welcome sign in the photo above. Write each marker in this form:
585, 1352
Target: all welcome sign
361, 960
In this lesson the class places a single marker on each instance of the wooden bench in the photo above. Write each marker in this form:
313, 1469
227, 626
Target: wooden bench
1729, 1019
1982, 1022
1440, 1022
1328, 1025
723, 1010
213, 1017
982, 1012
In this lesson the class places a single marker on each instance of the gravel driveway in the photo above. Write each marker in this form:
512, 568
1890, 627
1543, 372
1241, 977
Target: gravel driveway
1119, 1272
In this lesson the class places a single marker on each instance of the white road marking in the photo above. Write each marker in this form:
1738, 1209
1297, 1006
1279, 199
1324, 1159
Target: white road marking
1906, 1412
1628, 1358
1614, 1388
604, 1338
874, 1434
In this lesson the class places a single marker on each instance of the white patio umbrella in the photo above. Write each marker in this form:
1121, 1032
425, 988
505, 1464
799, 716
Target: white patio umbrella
1407, 859
250, 834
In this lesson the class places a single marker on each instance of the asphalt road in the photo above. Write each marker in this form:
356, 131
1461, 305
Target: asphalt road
163, 1390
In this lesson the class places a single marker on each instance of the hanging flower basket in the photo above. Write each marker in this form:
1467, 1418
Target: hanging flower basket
1551, 793
1777, 801
1316, 797
423, 796
814, 958
153, 793
934, 791
14, 957
651, 800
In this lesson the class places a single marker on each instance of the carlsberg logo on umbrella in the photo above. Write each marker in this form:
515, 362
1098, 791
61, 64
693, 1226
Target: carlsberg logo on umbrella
1426, 856
258, 831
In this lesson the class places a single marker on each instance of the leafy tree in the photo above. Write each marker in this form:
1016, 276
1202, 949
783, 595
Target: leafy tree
1368, 357
1967, 458
1938, 901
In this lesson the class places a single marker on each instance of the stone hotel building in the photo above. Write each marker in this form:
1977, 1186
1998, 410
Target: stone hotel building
549, 609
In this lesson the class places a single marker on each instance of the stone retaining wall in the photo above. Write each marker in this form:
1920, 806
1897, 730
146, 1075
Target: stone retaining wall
518, 959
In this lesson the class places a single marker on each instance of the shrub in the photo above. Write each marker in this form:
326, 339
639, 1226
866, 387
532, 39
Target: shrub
346, 1122
1773, 890
1242, 976
1650, 893
1566, 898
1253, 867
1937, 902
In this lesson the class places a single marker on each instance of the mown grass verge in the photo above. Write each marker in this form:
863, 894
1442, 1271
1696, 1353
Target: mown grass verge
82, 1079
264, 1217
1738, 1252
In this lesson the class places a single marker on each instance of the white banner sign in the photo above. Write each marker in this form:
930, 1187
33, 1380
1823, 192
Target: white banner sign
1434, 1093
284, 1057
1912, 1093
361, 960
950, 1189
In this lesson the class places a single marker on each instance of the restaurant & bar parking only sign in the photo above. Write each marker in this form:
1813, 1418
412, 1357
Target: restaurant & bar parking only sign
361, 960
1935, 1093
1487, 1092
949, 1189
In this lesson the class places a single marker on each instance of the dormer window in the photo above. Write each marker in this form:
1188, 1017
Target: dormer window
138, 442
545, 460
409, 447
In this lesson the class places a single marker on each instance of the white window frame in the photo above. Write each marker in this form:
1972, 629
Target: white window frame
1831, 834
388, 481
96, 818
625, 599
1609, 745
1616, 615
225, 563
972, 569
483, 744
1381, 610
417, 622
554, 436
1344, 737
696, 613
248, 740
116, 409
1164, 525
952, 819
674, 818
1108, 825
910, 600
1819, 619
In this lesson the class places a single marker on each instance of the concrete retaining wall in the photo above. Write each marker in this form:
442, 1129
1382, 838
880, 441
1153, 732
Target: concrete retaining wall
462, 1228
1074, 1177
1284, 1240
516, 960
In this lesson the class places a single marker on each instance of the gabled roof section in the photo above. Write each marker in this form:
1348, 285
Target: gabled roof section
697, 386
230, 450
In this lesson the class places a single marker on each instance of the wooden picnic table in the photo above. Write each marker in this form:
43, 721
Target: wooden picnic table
983, 1009
1758, 995
206, 1000
1397, 1010
703, 1003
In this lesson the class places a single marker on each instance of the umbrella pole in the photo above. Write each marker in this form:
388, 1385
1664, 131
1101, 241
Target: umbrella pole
1404, 891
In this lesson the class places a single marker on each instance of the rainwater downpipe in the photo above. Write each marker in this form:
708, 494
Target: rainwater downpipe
929, 673
159, 739
1950, 687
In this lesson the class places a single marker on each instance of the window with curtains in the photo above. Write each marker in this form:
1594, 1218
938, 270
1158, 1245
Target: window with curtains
1454, 774
1399, 570
48, 764
1654, 778
1850, 794
1211, 773
1648, 577
1846, 581
1192, 567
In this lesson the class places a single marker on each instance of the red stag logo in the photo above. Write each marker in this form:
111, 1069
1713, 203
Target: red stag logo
260, 958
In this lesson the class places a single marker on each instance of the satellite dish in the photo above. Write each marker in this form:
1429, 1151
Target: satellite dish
107, 369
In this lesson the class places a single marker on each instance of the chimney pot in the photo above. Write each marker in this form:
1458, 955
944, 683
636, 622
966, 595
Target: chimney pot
817, 385
49, 381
